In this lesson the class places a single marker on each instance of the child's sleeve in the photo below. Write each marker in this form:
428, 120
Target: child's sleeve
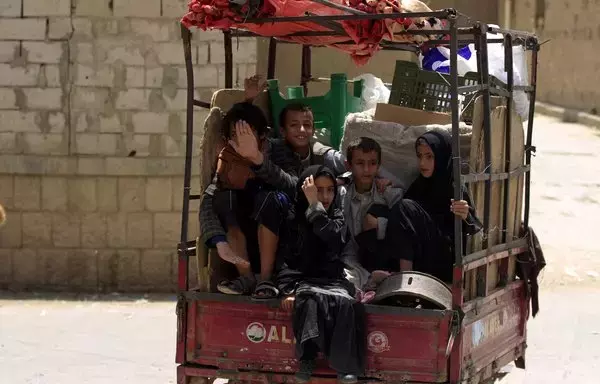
329, 229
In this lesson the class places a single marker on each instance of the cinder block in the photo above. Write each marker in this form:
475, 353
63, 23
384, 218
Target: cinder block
11, 235
37, 230
6, 267
155, 30
139, 230
138, 143
82, 26
52, 76
45, 144
112, 124
106, 194
90, 166
154, 77
8, 98
66, 230
84, 53
8, 143
43, 52
10, 8
129, 269
156, 267
137, 8
243, 52
27, 267
7, 189
126, 166
116, 233
27, 195
150, 122
96, 143
202, 53
108, 270
135, 77
54, 194
43, 98
171, 54
205, 76
166, 229
26, 76
102, 76
132, 196
56, 267
17, 121
60, 28
132, 99
174, 8
8, 51
90, 99
178, 102
83, 269
82, 194
115, 51
93, 230
23, 29
158, 194
172, 147
93, 8
57, 122
46, 7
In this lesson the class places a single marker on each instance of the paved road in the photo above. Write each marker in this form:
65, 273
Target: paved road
119, 339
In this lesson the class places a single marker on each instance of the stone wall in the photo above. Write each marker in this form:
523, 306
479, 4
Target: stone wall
92, 123
569, 63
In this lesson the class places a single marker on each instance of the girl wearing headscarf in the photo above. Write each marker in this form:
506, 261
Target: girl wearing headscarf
326, 317
433, 190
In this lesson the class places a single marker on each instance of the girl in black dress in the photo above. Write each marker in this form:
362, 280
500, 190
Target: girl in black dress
326, 317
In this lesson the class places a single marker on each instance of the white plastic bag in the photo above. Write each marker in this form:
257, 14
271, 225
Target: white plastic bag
374, 91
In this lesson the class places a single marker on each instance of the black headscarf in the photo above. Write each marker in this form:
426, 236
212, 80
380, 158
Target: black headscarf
435, 192
314, 171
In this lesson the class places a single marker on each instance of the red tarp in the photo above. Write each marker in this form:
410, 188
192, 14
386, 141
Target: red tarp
365, 34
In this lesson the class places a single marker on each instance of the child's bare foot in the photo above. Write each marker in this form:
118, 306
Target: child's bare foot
227, 254
288, 303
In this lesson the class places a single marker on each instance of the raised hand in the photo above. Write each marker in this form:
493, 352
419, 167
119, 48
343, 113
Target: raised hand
245, 143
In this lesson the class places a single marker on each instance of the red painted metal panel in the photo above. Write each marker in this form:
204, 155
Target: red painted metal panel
493, 329
404, 345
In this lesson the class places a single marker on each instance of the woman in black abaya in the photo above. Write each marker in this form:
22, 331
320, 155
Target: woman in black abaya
326, 317
433, 190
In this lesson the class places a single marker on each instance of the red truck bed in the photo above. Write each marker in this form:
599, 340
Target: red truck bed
235, 338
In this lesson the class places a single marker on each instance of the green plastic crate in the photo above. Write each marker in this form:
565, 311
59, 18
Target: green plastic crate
430, 91
329, 110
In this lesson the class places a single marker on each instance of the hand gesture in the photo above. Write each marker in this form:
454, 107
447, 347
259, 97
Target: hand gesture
226, 253
460, 208
382, 184
253, 86
310, 190
245, 143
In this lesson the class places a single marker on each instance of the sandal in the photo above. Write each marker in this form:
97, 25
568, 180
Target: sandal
265, 290
243, 285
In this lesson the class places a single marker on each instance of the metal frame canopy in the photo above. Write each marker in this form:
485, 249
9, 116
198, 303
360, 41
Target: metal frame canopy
458, 36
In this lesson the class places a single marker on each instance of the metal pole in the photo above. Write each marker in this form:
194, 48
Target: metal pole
272, 59
528, 147
228, 59
182, 257
305, 71
457, 273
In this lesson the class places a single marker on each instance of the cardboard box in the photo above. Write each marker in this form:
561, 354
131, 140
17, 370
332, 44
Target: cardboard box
409, 116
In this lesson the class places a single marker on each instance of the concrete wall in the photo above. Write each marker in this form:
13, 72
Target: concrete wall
84, 84
569, 72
